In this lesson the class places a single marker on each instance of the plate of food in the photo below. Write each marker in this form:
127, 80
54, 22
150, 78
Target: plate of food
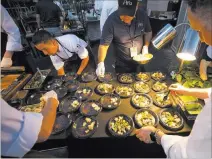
126, 78
146, 117
158, 76
160, 87
89, 77
62, 122
110, 101
69, 104
90, 108
105, 88
61, 92
124, 91
72, 86
141, 101
84, 93
143, 59
121, 125
84, 127
171, 120
108, 77
71, 76
160, 101
36, 108
144, 77
34, 98
53, 84
141, 87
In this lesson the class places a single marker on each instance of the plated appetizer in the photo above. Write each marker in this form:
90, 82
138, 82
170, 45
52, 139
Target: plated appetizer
141, 101
124, 91
72, 86
145, 77
110, 101
105, 88
158, 76
84, 93
37, 108
89, 77
126, 78
160, 101
108, 77
69, 104
160, 87
70, 77
141, 87
90, 108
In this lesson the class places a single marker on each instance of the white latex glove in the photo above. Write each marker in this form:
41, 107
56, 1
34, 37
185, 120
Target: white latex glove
6, 62
100, 71
145, 50
50, 94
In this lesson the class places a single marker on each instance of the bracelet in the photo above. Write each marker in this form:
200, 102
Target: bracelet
157, 137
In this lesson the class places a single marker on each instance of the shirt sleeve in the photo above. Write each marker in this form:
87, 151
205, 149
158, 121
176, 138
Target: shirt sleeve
57, 62
9, 26
207, 55
19, 130
107, 32
147, 25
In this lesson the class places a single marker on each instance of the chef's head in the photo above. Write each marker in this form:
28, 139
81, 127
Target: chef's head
45, 42
127, 10
200, 18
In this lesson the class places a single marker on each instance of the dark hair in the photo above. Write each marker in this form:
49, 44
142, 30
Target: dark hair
41, 36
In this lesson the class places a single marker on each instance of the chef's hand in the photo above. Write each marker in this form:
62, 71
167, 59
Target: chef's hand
100, 71
145, 50
49, 95
178, 88
143, 134
6, 62
203, 69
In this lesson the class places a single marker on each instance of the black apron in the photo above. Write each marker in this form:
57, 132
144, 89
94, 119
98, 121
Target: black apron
72, 64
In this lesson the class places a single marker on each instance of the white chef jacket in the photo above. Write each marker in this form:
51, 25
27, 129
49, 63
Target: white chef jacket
73, 44
10, 28
19, 130
107, 9
98, 4
198, 143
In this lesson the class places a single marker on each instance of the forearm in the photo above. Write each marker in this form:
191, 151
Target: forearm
102, 53
38, 20
147, 39
8, 54
61, 71
198, 92
49, 115
83, 65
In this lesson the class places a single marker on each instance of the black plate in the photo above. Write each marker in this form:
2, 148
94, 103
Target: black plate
106, 103
34, 98
61, 92
70, 77
150, 112
89, 77
142, 106
143, 80
72, 86
62, 122
142, 91
124, 96
127, 118
99, 91
59, 81
66, 105
159, 105
79, 93
120, 78
158, 79
108, 77
162, 91
86, 108
172, 111
78, 131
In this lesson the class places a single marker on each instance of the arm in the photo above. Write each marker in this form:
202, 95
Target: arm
61, 71
147, 39
102, 53
83, 65
38, 20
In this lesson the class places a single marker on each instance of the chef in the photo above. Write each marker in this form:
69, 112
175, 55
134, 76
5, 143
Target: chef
130, 31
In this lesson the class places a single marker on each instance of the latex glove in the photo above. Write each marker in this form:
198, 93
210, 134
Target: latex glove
48, 95
143, 134
145, 50
100, 71
6, 62
203, 69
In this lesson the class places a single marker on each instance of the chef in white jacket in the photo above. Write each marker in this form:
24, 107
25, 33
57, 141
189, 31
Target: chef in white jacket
14, 37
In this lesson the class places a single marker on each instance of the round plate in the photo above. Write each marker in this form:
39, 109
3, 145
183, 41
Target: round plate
70, 77
141, 87
57, 80
84, 127
53, 84
144, 77
123, 92
34, 98
126, 78
72, 86
140, 103
118, 119
158, 89
172, 112
89, 77
90, 108
107, 102
84, 93
61, 92
62, 122
160, 95
158, 76
102, 91
69, 105
108, 77
142, 115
